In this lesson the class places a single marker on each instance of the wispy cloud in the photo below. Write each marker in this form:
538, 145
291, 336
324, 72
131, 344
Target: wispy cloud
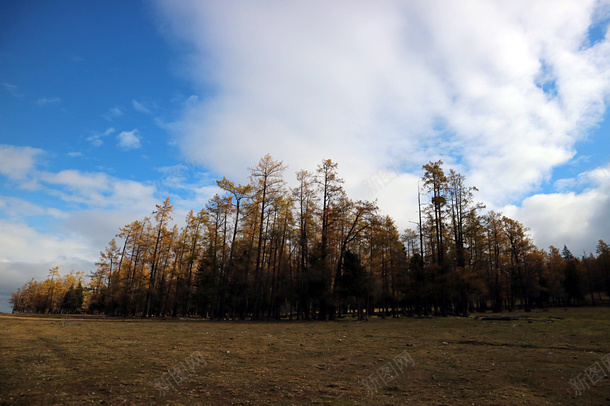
129, 140
12, 89
75, 154
15, 207
89, 209
97, 189
113, 113
16, 163
140, 107
96, 139
44, 101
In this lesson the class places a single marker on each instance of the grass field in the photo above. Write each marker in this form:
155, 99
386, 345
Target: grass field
78, 360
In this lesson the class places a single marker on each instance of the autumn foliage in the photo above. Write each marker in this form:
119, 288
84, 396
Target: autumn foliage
266, 251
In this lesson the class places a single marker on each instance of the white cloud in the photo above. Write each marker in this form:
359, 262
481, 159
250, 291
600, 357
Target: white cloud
98, 189
97, 139
14, 207
12, 89
92, 188
16, 163
502, 91
27, 253
98, 226
129, 140
113, 113
44, 101
140, 107
75, 154
576, 219
35, 237
76, 238
77, 180
363, 79
17, 240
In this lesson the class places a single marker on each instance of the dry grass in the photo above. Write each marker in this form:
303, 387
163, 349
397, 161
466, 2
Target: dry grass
78, 360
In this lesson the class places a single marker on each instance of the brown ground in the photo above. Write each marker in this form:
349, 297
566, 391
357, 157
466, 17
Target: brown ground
78, 360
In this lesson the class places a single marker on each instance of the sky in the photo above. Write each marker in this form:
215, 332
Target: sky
108, 107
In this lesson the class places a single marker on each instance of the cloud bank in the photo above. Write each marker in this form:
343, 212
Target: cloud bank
501, 91
75, 215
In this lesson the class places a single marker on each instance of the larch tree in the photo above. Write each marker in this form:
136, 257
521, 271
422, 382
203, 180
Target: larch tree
331, 190
519, 244
162, 216
410, 238
603, 259
435, 182
268, 184
265, 251
305, 198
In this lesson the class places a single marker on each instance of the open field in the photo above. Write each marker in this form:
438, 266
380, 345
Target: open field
76, 360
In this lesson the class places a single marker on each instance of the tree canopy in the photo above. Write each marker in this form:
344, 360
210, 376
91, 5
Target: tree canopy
266, 251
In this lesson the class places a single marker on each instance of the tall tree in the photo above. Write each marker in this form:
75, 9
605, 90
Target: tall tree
267, 183
496, 246
519, 246
305, 197
330, 186
435, 182
162, 216
461, 204
354, 283
572, 281
603, 259
239, 193
331, 191
409, 238
109, 264
194, 238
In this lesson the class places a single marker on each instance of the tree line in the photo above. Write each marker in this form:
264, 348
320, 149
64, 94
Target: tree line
267, 251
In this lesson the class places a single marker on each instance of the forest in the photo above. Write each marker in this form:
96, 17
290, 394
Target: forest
264, 251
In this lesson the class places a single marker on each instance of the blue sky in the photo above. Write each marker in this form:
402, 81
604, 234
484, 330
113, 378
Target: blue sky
72, 70
106, 107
